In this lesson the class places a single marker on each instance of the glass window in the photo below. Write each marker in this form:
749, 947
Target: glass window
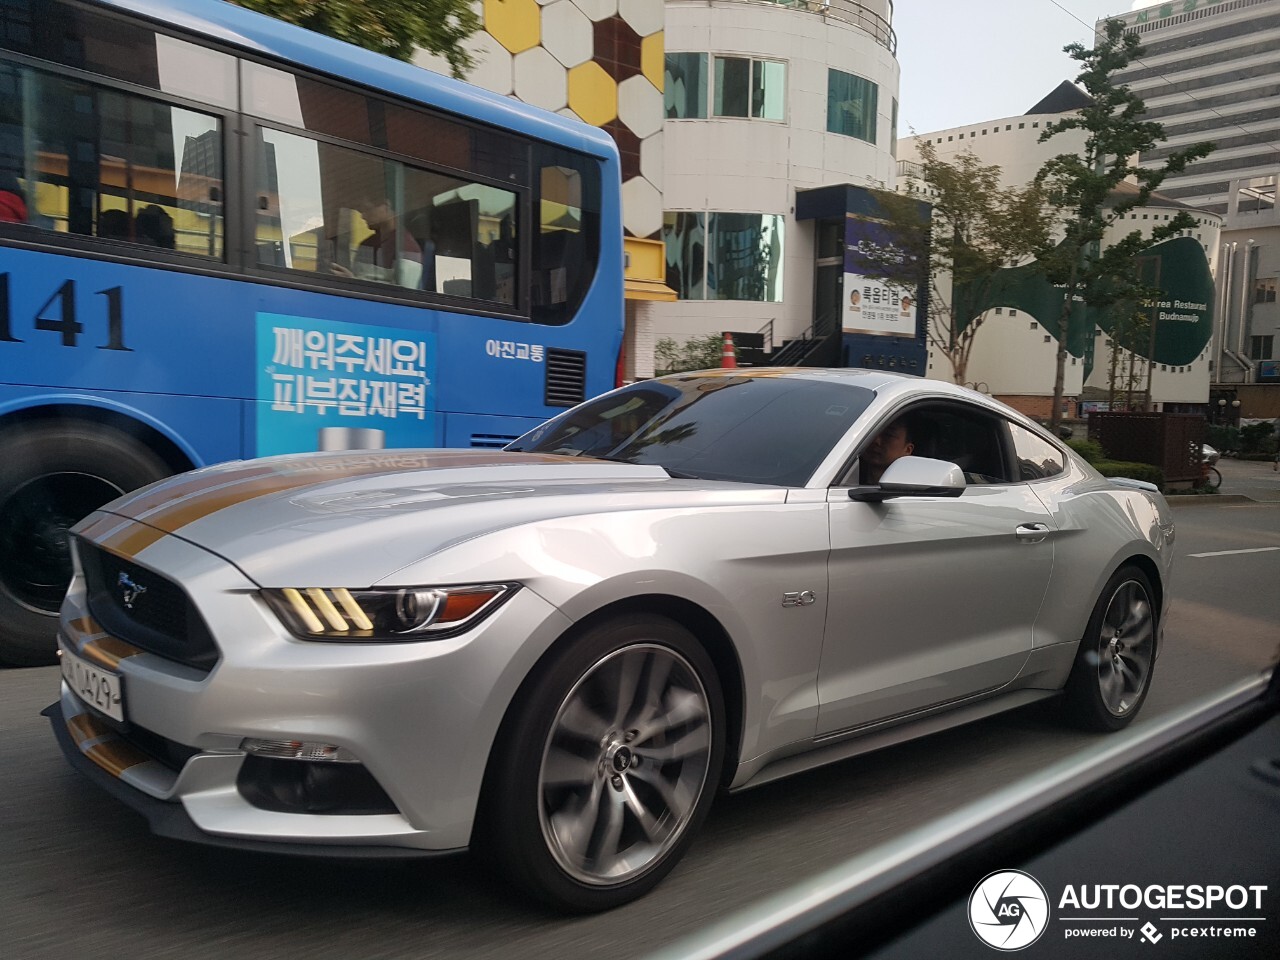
733, 87
745, 429
1264, 290
567, 243
60, 33
1037, 457
745, 257
1260, 347
768, 89
1256, 195
851, 105
750, 88
82, 159
685, 86
340, 212
685, 236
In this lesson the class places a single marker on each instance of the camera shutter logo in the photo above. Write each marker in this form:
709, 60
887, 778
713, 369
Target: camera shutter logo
1008, 910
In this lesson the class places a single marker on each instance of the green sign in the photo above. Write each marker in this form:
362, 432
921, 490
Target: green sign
1183, 313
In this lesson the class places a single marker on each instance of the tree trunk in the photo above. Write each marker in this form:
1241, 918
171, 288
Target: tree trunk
1060, 372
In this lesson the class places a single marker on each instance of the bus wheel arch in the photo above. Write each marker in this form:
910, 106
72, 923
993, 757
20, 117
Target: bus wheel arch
56, 465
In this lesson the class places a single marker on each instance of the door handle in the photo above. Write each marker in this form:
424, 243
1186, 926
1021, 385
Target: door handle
1032, 532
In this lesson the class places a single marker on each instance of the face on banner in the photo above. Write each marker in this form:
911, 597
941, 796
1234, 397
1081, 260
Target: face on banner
873, 306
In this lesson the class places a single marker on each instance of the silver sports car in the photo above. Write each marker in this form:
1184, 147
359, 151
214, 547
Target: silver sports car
557, 653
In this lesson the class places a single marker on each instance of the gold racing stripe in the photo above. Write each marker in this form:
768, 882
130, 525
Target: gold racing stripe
112, 754
108, 651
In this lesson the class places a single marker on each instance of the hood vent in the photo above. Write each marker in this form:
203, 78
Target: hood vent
566, 377
490, 441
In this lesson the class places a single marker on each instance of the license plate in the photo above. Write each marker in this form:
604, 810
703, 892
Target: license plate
99, 688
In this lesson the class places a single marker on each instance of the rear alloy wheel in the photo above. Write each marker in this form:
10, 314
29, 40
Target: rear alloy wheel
1112, 672
52, 474
615, 759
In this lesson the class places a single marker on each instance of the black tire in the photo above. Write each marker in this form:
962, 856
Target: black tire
53, 473
570, 813
1214, 478
1112, 672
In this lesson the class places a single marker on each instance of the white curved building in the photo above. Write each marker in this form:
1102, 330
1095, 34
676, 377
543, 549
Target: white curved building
763, 101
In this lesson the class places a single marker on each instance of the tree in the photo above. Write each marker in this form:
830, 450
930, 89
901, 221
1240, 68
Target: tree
1084, 185
958, 248
696, 353
393, 27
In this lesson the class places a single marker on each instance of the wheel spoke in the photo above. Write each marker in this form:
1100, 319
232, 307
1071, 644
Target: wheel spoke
680, 708
1133, 672
609, 845
676, 801
574, 824
1112, 685
647, 821
694, 741
564, 768
580, 721
629, 686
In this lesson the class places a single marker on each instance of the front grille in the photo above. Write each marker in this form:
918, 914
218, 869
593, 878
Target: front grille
566, 377
145, 609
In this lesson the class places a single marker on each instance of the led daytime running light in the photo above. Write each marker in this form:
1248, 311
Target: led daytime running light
383, 613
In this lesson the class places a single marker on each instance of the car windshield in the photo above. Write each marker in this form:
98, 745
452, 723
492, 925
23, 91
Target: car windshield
748, 428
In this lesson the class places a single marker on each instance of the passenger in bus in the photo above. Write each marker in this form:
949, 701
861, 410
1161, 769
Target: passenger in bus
154, 227
13, 205
390, 254
114, 225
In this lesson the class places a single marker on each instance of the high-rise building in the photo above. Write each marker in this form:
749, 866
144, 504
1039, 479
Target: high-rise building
1210, 70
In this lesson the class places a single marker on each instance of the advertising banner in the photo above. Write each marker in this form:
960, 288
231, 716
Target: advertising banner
872, 305
327, 385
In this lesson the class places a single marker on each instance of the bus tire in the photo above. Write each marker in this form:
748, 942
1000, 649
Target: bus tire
53, 473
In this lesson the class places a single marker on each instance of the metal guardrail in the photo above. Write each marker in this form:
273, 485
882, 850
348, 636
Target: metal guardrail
851, 12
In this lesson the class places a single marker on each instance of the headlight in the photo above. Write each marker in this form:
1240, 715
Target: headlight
385, 614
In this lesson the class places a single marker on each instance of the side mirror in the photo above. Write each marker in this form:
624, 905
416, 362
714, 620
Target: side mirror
914, 477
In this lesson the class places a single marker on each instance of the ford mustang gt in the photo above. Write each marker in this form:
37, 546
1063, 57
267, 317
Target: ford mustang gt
557, 653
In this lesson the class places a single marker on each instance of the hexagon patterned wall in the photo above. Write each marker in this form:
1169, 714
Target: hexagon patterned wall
598, 60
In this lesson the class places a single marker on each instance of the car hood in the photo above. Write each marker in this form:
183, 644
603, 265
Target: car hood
352, 519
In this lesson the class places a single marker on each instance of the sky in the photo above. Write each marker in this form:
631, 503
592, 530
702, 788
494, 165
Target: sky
967, 62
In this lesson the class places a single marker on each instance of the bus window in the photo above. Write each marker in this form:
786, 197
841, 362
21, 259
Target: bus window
101, 163
332, 210
565, 251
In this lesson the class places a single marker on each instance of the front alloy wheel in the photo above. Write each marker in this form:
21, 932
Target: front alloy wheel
625, 763
605, 765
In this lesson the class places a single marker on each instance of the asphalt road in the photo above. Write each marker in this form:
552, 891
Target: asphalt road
82, 876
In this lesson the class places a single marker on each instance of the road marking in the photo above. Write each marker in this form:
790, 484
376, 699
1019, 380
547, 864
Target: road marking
1228, 553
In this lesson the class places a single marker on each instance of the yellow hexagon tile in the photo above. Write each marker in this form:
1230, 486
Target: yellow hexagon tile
652, 58
513, 23
592, 93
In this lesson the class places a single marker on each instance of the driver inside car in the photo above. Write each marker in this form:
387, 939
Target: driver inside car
894, 441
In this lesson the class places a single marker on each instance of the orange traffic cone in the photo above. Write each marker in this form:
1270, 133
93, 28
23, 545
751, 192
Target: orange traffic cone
729, 356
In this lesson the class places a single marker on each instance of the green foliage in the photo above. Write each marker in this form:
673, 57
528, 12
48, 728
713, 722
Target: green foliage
970, 230
1258, 438
1134, 471
1091, 450
696, 353
393, 27
1083, 186
1222, 437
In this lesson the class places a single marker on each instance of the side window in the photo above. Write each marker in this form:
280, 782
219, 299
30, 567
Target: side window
566, 245
972, 439
345, 213
1037, 457
83, 159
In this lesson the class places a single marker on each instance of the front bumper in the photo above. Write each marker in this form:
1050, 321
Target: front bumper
169, 819
421, 718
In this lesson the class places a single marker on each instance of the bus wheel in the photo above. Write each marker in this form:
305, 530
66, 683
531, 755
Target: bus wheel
53, 473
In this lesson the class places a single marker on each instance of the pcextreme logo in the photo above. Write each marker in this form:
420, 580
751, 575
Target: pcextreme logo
1008, 910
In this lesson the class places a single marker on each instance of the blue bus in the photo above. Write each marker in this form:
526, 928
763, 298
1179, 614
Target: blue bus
222, 236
